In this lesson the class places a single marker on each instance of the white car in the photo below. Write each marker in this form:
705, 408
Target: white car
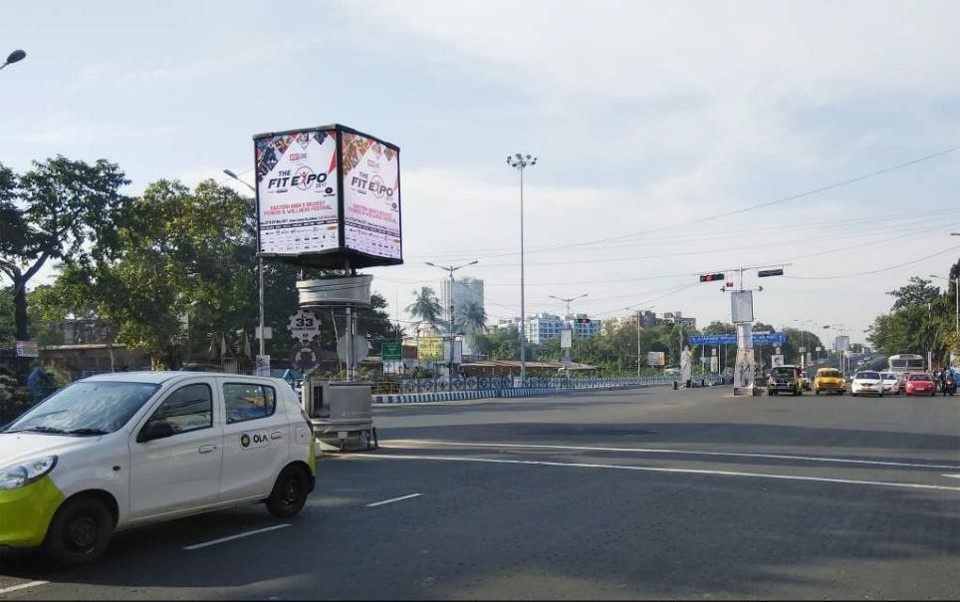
120, 450
891, 383
866, 382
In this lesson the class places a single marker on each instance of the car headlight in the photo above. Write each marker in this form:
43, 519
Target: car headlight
21, 475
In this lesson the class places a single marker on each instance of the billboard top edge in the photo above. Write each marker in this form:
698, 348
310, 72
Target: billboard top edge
333, 126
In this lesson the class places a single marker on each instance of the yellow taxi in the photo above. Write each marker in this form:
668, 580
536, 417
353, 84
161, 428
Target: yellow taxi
829, 380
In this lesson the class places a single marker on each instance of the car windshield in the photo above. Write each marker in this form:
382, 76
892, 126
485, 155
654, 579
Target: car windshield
86, 408
919, 377
868, 375
782, 372
889, 376
830, 374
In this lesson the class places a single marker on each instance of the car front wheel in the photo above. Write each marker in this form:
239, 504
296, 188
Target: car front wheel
289, 492
79, 533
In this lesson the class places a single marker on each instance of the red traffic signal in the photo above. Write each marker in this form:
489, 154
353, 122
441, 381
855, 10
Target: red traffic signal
583, 320
711, 277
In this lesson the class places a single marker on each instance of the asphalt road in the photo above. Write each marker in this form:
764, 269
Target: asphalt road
621, 495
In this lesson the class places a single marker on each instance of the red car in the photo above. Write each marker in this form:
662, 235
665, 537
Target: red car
921, 384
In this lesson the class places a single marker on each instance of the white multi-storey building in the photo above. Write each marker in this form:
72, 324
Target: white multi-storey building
544, 326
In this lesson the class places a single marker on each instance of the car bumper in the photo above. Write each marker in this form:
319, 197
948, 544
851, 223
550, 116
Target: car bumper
779, 388
26, 512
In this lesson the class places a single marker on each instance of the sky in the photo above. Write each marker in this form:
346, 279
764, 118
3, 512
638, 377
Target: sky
673, 138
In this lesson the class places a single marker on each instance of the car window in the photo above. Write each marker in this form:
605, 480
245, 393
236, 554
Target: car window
830, 374
868, 375
248, 402
92, 406
920, 377
189, 408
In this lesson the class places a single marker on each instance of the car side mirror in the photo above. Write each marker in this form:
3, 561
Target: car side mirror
155, 430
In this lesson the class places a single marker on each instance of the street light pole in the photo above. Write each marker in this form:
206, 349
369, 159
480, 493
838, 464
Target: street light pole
520, 163
451, 269
263, 343
567, 300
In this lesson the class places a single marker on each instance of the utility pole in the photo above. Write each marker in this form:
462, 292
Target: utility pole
451, 269
566, 325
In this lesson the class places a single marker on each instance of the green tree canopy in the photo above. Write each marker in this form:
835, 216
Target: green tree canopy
59, 210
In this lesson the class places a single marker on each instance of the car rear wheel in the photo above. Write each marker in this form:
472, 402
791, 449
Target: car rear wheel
289, 492
79, 533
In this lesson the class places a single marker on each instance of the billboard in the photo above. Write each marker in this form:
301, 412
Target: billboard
842, 343
297, 200
430, 349
656, 358
328, 197
371, 196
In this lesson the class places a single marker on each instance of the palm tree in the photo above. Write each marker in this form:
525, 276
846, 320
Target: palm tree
473, 318
425, 305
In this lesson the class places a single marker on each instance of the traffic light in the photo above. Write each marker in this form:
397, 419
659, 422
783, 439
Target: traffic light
766, 273
711, 277
583, 320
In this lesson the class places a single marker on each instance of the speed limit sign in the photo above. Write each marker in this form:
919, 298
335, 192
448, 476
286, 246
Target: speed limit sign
304, 325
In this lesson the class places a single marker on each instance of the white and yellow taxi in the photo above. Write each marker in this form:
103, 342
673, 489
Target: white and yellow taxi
120, 450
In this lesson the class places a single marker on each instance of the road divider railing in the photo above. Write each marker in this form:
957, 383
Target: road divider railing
461, 389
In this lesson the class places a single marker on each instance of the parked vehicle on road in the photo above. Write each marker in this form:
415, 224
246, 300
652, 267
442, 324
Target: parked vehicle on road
920, 383
784, 379
829, 380
866, 382
120, 450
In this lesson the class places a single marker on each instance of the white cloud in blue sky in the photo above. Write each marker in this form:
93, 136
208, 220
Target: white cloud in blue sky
644, 116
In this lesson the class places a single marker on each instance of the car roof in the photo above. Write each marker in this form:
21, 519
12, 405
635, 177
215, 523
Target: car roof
161, 377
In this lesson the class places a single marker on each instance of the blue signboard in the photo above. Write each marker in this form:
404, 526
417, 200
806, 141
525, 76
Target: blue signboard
759, 338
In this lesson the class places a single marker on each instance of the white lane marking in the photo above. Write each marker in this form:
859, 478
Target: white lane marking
641, 450
953, 476
232, 537
14, 588
722, 473
396, 499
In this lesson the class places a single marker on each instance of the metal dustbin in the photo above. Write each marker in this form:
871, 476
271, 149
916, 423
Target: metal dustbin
341, 414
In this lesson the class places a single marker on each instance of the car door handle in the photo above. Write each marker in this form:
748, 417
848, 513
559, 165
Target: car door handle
206, 449
276, 435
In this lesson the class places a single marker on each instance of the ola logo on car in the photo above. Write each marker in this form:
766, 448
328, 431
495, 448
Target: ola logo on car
245, 440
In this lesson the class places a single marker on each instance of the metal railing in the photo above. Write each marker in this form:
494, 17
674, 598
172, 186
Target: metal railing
562, 383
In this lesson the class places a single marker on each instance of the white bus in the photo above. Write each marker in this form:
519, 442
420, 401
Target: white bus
905, 362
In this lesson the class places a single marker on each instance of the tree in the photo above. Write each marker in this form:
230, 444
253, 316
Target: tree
919, 292
473, 318
425, 305
59, 210
179, 275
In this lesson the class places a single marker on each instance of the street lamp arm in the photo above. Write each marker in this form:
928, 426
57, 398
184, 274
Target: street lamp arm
237, 178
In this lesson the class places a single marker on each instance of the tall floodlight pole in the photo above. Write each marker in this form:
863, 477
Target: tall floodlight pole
263, 343
451, 269
14, 57
520, 163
